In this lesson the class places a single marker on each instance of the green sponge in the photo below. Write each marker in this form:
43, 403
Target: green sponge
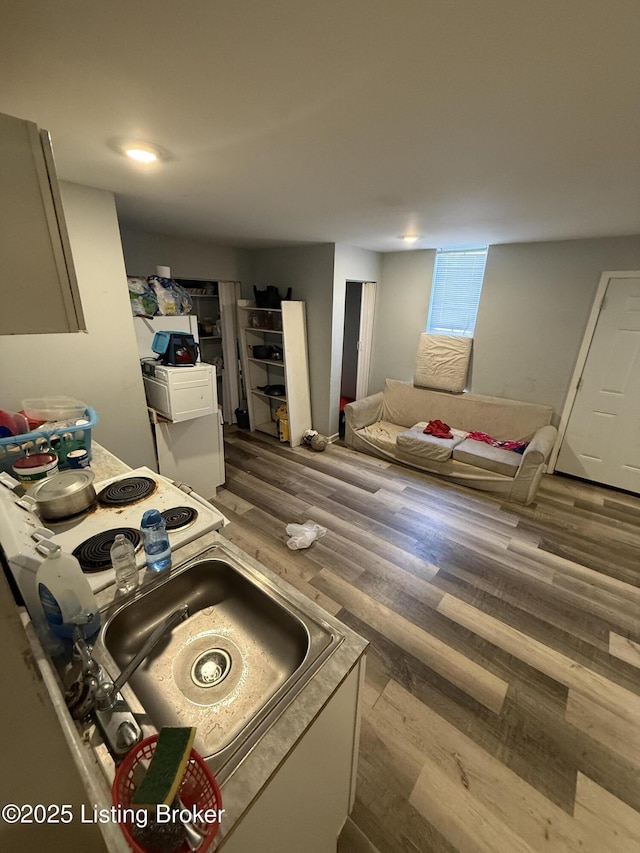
168, 764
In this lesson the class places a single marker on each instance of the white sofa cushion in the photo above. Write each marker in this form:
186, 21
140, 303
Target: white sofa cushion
488, 457
442, 362
416, 443
382, 434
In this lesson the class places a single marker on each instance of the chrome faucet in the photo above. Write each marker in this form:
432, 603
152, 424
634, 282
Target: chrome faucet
95, 691
107, 692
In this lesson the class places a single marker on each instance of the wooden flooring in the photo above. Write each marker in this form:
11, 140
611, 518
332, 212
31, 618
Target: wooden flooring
502, 703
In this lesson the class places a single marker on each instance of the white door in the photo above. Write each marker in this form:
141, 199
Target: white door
602, 437
360, 299
365, 338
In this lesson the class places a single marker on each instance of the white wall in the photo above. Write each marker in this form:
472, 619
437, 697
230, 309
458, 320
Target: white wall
317, 275
308, 270
101, 366
144, 250
401, 314
534, 307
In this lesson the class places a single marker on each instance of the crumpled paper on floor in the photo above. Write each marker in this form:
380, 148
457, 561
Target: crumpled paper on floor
303, 535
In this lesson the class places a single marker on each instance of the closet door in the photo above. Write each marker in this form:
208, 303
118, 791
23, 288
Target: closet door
229, 293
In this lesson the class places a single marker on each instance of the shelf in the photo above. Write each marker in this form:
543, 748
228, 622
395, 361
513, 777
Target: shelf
282, 398
272, 362
254, 308
290, 343
269, 331
210, 338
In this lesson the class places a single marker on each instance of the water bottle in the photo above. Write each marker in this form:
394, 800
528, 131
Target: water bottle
155, 540
66, 596
123, 560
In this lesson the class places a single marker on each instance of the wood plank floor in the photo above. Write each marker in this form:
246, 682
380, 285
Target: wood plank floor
502, 699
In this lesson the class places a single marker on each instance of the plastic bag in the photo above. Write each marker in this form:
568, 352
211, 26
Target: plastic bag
302, 535
144, 302
172, 298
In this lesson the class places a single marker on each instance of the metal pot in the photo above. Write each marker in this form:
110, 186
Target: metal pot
66, 493
273, 390
262, 351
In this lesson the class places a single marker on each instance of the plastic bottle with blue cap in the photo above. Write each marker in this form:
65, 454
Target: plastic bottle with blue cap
156, 541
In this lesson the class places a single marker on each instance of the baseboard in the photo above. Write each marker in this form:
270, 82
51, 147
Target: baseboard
353, 840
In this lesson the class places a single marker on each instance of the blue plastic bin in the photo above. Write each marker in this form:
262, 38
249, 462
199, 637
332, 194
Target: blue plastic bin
71, 438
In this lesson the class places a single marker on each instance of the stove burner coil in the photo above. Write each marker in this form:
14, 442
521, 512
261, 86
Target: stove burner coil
126, 491
94, 553
179, 517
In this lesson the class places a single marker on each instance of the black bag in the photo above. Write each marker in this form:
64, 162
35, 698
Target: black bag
269, 298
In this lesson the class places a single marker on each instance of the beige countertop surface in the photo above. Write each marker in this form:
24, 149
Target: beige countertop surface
254, 773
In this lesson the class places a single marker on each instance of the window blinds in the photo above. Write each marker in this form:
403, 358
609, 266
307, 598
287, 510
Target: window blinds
455, 291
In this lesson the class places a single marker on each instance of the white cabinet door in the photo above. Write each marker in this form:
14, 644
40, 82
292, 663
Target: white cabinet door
192, 452
39, 288
305, 805
602, 439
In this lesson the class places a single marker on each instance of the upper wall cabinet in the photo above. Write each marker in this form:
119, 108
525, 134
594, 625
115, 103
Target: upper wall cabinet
39, 288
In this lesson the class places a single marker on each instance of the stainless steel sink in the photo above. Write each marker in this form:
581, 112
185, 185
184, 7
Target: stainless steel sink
231, 668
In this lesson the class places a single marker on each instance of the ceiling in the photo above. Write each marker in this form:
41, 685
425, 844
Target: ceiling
468, 122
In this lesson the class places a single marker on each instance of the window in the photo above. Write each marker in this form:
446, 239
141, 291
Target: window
455, 291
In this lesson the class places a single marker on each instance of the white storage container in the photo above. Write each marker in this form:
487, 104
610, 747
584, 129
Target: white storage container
53, 408
181, 393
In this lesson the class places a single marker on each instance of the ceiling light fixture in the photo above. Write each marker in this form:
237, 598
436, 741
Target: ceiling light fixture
410, 238
141, 153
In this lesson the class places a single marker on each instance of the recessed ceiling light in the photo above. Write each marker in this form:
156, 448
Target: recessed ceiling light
410, 238
141, 153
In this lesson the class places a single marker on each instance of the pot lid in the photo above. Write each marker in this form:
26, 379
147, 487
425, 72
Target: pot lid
62, 485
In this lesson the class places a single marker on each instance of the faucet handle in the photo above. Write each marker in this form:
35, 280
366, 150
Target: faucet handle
106, 694
83, 651
82, 618
127, 735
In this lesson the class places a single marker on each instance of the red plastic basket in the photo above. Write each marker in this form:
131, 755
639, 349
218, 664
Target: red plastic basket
198, 788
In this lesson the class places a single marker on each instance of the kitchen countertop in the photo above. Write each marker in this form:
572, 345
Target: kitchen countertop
104, 464
255, 772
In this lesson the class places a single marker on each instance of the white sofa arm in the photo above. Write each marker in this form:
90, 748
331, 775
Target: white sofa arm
363, 412
540, 447
527, 479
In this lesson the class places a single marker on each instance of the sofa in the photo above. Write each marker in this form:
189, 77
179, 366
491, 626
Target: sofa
390, 424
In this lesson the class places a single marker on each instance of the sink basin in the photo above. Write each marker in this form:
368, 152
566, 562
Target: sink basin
231, 668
